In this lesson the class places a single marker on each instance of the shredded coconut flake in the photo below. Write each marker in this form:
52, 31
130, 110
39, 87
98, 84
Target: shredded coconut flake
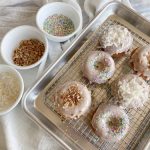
133, 91
9, 89
114, 35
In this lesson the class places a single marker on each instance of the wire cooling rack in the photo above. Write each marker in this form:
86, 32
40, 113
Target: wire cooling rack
139, 118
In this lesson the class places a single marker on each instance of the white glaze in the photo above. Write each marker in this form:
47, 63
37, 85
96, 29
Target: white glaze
102, 115
74, 111
97, 75
131, 91
116, 39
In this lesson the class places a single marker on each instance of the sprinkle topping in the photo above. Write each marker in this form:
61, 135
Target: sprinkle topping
116, 125
103, 66
58, 25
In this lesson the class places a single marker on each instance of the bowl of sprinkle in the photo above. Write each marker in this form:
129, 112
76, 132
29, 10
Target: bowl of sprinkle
11, 88
59, 21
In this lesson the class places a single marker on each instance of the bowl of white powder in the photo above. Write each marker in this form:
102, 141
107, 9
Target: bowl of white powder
11, 88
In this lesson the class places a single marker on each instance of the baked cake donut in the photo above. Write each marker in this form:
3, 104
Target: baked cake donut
131, 91
110, 122
98, 67
140, 60
116, 39
72, 100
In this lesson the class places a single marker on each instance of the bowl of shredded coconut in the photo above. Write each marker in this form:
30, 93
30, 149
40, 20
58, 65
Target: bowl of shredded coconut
11, 88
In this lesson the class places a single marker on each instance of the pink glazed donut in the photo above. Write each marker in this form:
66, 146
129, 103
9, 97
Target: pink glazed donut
72, 100
140, 60
110, 122
98, 67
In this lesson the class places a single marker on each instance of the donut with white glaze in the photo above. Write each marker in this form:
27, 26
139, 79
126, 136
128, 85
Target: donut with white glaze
140, 60
98, 67
72, 100
110, 122
116, 39
131, 91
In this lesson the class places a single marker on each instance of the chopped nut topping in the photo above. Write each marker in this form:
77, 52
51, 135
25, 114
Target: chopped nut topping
28, 52
71, 97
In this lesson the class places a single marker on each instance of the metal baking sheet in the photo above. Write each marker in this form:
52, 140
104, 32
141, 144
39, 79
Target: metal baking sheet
78, 134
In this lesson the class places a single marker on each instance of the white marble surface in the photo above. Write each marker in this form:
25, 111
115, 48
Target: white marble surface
17, 131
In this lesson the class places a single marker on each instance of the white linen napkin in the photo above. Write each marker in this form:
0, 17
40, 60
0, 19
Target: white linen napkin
93, 6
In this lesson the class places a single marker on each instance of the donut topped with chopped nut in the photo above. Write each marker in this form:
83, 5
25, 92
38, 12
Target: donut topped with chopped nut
72, 99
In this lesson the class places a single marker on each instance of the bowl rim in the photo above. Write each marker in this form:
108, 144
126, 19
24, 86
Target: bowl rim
18, 75
30, 66
59, 37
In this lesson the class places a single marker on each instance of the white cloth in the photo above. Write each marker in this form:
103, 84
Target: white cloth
17, 131
93, 6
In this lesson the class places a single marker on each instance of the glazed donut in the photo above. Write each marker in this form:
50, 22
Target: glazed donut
110, 122
131, 91
140, 60
116, 39
72, 100
98, 67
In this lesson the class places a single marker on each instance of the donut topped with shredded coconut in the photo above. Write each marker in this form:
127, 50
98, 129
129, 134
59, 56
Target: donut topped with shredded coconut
116, 39
131, 91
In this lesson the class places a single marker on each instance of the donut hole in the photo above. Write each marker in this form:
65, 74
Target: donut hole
115, 124
101, 65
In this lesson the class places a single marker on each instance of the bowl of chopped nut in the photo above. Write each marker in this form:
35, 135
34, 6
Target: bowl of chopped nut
24, 47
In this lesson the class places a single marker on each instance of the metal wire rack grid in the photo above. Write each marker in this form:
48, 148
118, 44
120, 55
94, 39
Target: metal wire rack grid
139, 118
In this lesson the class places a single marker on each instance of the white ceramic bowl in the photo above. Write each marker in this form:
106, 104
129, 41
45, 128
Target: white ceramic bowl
59, 8
6, 68
12, 39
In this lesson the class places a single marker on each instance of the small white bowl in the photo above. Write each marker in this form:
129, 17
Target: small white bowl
59, 8
6, 68
12, 39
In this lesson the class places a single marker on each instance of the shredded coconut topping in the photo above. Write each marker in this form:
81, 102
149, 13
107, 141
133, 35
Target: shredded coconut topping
133, 90
115, 35
9, 89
